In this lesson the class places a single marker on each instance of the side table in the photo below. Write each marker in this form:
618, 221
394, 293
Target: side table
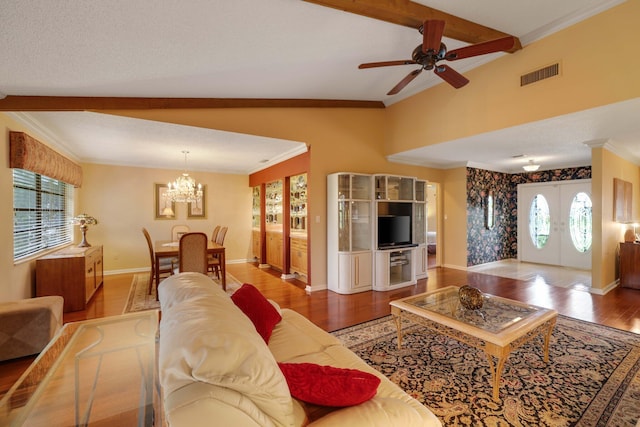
94, 372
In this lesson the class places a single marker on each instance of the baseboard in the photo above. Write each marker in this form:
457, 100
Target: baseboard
147, 269
606, 289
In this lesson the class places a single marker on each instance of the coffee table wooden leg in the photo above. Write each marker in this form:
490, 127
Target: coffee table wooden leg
496, 372
398, 320
547, 339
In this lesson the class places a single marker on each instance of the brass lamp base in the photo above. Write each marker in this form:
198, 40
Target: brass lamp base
84, 243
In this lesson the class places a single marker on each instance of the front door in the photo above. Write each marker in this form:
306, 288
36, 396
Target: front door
554, 223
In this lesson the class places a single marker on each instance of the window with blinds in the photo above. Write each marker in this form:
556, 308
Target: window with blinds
42, 212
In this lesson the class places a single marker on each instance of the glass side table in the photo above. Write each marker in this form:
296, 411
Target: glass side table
93, 373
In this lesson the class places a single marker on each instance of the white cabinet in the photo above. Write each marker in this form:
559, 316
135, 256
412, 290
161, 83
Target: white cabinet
349, 232
376, 232
355, 272
394, 269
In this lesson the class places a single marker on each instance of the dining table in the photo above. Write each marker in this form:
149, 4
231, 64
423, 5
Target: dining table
169, 248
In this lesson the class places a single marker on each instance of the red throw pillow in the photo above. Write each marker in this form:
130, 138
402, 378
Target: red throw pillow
329, 386
256, 307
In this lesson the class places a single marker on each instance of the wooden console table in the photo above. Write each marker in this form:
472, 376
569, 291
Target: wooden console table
73, 273
630, 265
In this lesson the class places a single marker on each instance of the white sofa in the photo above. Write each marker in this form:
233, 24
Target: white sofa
215, 369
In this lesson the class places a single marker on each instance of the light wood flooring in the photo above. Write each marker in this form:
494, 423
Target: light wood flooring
620, 308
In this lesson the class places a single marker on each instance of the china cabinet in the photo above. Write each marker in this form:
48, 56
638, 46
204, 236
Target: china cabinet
298, 196
273, 224
256, 241
349, 229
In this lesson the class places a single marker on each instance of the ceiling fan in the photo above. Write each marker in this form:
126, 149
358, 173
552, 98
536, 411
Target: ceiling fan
432, 50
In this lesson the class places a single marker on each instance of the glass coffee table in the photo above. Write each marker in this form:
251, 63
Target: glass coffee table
499, 327
99, 372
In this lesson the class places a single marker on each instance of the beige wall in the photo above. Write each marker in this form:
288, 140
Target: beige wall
454, 195
494, 99
122, 199
341, 140
608, 233
19, 278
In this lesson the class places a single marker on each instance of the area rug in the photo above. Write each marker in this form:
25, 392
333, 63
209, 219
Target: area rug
592, 378
139, 299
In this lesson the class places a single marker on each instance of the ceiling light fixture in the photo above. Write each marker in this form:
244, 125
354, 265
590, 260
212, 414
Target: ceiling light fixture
184, 188
531, 167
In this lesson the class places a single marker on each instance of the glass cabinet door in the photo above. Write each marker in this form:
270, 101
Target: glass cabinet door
298, 203
273, 203
360, 187
255, 211
420, 223
360, 225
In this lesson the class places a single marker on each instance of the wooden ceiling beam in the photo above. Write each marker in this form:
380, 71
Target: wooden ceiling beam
410, 14
80, 103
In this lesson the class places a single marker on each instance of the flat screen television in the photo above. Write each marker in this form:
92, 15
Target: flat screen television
394, 231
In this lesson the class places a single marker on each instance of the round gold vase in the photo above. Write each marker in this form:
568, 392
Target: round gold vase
470, 298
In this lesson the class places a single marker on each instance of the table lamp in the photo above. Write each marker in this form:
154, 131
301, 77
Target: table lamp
84, 220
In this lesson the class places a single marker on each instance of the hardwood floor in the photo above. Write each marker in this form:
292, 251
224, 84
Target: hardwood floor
620, 308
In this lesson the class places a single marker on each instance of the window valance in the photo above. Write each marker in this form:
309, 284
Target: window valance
30, 154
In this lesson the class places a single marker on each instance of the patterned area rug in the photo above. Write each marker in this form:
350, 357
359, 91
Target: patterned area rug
592, 378
140, 300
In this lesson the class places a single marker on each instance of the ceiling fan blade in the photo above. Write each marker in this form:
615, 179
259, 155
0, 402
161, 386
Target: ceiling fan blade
387, 63
497, 45
451, 76
432, 31
412, 75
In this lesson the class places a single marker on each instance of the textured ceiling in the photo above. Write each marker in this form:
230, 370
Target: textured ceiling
247, 49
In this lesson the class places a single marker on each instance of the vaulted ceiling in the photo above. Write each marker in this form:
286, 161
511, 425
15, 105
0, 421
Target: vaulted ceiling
65, 58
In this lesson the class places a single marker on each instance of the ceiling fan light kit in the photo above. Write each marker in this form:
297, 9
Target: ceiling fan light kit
432, 50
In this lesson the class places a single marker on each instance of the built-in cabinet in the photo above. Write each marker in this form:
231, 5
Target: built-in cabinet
274, 249
376, 232
280, 226
349, 228
73, 273
298, 225
256, 219
273, 224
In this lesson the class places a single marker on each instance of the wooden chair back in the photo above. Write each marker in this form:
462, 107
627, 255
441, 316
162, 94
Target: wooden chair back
177, 231
221, 235
193, 253
214, 235
151, 254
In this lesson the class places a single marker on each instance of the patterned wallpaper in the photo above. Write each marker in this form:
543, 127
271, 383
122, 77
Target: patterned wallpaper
501, 242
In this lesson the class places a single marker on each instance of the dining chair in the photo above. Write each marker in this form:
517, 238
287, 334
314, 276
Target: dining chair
214, 235
192, 255
214, 259
177, 231
167, 264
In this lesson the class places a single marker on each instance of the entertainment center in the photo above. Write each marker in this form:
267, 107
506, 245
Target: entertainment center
376, 232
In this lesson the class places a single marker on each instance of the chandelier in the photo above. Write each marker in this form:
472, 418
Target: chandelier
184, 188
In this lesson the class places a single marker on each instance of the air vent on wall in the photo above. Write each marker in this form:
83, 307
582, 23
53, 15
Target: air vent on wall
541, 74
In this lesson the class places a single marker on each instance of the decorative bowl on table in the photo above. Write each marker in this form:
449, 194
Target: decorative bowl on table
470, 298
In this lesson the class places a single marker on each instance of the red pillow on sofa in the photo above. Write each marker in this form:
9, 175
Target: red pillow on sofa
256, 307
329, 386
